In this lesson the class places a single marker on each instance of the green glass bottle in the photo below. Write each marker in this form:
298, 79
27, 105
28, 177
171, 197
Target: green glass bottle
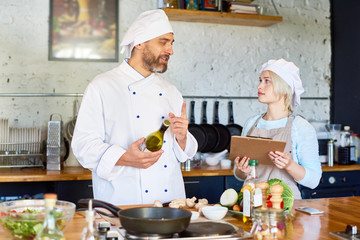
49, 230
155, 140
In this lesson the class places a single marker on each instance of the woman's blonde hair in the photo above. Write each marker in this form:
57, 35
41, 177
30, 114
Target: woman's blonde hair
282, 88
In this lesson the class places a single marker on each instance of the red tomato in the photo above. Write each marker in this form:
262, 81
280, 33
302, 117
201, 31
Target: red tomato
236, 208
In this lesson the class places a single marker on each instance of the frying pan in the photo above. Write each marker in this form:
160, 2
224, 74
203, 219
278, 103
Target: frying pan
212, 132
235, 129
196, 130
146, 220
224, 137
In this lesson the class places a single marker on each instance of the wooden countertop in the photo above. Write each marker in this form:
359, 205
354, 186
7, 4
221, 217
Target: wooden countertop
42, 175
338, 212
79, 173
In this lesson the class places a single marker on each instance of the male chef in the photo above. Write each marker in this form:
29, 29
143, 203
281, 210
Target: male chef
121, 107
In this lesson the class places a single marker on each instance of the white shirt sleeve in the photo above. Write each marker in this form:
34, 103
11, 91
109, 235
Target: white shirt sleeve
88, 143
190, 148
306, 151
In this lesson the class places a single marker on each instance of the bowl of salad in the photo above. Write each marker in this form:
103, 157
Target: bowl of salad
24, 218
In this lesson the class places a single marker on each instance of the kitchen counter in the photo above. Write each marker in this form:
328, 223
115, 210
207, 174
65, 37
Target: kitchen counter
79, 173
337, 213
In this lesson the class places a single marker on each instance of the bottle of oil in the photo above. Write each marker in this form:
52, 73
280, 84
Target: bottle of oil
155, 140
252, 195
49, 230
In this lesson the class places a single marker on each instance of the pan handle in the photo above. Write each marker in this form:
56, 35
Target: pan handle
204, 118
97, 203
216, 113
192, 110
231, 113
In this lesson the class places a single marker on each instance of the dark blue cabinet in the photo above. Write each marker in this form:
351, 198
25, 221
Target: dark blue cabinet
334, 184
210, 188
232, 182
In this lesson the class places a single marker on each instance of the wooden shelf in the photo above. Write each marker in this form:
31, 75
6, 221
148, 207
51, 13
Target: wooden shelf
221, 17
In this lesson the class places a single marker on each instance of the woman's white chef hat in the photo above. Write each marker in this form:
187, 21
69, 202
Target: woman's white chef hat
148, 25
290, 73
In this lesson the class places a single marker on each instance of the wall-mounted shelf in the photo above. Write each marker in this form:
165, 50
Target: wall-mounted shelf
221, 17
184, 96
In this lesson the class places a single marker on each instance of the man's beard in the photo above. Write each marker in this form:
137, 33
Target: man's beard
153, 63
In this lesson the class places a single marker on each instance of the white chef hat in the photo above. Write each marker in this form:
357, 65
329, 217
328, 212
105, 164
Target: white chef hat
148, 25
290, 73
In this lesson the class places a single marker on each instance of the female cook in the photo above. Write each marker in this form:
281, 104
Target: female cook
280, 88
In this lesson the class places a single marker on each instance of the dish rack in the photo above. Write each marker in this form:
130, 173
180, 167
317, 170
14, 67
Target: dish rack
21, 155
20, 147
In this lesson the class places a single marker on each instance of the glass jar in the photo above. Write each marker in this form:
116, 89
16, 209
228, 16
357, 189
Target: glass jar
270, 224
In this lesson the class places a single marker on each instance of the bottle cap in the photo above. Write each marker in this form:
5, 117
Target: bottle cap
166, 123
50, 196
253, 162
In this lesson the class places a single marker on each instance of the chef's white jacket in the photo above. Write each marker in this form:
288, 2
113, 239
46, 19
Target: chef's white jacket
119, 107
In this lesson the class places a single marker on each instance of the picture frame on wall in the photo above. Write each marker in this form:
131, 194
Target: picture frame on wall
83, 30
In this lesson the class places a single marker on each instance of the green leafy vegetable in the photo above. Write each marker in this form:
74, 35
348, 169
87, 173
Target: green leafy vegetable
25, 224
287, 195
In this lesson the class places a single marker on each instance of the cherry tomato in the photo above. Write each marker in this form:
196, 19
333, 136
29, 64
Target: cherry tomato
236, 208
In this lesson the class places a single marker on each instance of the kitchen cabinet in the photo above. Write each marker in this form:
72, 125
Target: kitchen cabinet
334, 184
221, 17
66, 190
232, 182
210, 188
74, 190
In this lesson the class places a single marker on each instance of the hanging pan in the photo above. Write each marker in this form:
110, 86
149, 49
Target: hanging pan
235, 129
224, 133
196, 130
212, 132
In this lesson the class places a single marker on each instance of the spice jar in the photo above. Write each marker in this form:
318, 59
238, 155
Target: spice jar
270, 224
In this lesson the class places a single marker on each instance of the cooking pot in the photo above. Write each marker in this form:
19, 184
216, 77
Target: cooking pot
196, 130
212, 132
146, 220
224, 133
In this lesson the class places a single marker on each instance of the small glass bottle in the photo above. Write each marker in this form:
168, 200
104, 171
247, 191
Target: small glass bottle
330, 153
49, 230
90, 231
252, 196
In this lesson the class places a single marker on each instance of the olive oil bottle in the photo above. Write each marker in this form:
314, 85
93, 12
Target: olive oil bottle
252, 195
155, 140
49, 230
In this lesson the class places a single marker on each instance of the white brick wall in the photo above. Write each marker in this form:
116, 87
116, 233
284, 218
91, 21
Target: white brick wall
209, 59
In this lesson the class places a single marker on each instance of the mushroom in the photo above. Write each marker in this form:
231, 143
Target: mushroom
199, 206
157, 203
190, 202
177, 203
203, 200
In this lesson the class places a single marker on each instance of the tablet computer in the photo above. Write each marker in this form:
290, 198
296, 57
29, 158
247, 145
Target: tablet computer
254, 148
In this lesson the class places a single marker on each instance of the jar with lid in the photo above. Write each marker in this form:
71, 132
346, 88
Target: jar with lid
270, 224
346, 151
